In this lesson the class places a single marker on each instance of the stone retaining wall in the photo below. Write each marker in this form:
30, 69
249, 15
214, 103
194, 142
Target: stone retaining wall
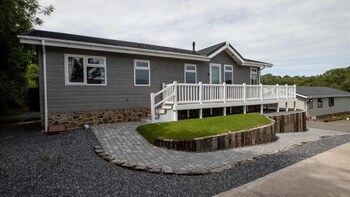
79, 119
289, 121
260, 135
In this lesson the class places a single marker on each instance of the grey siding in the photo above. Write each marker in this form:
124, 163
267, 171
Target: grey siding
341, 104
241, 74
120, 92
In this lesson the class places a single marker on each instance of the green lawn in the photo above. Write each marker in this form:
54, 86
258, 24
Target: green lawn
193, 128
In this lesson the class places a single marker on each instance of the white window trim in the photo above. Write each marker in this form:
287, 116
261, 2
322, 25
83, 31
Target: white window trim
191, 71
231, 71
254, 72
210, 74
85, 57
141, 68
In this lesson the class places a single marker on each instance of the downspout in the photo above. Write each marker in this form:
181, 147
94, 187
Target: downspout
45, 85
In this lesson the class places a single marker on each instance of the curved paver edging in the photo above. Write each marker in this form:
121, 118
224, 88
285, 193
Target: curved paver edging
98, 150
236, 139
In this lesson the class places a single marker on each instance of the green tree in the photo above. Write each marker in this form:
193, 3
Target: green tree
336, 78
16, 16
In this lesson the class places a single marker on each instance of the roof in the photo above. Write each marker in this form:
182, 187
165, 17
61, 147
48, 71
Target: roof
316, 92
49, 38
80, 38
209, 50
212, 49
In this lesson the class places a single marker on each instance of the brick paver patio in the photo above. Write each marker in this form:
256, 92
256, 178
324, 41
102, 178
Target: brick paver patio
123, 143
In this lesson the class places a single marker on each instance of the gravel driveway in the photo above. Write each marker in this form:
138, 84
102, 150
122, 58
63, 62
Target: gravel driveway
32, 163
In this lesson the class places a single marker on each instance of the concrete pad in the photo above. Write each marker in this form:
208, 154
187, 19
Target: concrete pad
326, 174
341, 125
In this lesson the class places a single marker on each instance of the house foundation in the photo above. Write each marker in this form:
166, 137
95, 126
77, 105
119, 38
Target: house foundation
79, 119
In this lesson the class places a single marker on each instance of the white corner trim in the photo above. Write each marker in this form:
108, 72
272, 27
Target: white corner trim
108, 48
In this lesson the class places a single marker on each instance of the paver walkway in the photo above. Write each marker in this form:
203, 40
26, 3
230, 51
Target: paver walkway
122, 142
317, 176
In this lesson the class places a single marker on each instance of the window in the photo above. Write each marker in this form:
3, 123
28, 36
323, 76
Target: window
215, 73
85, 70
228, 76
254, 76
310, 103
142, 75
319, 102
331, 101
190, 73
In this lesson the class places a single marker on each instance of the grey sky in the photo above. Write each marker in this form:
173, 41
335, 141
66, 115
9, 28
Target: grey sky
300, 37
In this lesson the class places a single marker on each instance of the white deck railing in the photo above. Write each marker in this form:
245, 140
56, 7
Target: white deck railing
182, 93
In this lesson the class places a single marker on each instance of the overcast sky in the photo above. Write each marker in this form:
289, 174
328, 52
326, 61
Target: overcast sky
300, 37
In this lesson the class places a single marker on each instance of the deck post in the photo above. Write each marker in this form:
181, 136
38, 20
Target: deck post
244, 109
244, 92
261, 92
175, 115
277, 92
224, 96
286, 106
200, 113
286, 91
262, 108
200, 93
295, 105
224, 92
295, 91
278, 108
153, 112
175, 93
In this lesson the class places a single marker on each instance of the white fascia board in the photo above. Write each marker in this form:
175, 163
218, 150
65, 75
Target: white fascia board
300, 95
257, 64
108, 48
326, 96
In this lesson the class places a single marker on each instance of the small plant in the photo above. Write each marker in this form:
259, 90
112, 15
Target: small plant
45, 158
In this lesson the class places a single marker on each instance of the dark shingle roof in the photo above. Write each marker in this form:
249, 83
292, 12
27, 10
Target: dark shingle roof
320, 91
209, 50
80, 38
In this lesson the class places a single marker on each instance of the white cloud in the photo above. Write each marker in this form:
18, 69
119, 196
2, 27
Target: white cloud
290, 34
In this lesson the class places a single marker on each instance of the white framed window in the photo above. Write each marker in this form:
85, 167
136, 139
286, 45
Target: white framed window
228, 74
142, 73
215, 73
85, 70
254, 80
190, 73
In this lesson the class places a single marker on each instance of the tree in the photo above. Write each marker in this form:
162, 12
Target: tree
336, 78
16, 16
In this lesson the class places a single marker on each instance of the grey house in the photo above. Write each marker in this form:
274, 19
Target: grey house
317, 101
88, 80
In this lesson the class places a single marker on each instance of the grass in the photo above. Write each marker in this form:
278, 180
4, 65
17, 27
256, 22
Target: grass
193, 128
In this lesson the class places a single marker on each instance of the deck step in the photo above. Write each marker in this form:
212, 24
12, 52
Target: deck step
160, 111
166, 106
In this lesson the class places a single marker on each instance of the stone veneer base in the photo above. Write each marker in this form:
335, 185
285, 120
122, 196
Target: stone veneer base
79, 119
259, 135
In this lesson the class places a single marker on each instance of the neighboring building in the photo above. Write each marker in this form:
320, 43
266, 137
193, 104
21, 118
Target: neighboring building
93, 80
317, 101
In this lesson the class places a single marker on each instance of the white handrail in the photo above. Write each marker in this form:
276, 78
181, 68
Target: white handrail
184, 93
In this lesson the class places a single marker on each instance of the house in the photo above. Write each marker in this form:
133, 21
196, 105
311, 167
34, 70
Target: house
89, 80
317, 101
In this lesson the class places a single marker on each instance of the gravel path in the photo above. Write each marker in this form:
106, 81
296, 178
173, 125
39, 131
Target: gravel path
32, 163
